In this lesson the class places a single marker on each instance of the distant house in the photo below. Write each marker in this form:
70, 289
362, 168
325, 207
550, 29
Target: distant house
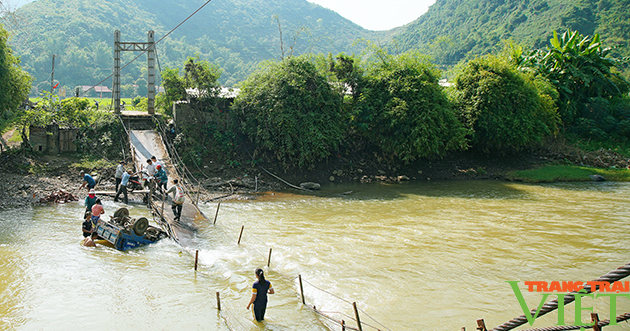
98, 89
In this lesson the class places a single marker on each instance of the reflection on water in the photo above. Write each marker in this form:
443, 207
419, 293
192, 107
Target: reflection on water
413, 256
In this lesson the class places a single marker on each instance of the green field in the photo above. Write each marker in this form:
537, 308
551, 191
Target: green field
102, 102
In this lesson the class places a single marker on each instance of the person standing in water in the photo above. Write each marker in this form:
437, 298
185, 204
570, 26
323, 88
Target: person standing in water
259, 295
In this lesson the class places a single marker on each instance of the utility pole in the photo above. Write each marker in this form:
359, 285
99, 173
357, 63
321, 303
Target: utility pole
52, 74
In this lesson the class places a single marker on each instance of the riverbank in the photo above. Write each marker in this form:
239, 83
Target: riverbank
28, 178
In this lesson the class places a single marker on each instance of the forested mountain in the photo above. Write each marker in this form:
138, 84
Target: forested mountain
235, 34
454, 29
238, 34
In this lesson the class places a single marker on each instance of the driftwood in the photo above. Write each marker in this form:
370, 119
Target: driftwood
60, 196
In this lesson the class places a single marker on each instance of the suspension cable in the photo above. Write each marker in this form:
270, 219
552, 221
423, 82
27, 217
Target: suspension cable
146, 50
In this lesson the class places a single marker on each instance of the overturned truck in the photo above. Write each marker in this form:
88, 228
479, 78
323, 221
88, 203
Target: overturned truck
124, 232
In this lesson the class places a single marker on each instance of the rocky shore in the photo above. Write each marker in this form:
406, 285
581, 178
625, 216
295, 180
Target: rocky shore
26, 180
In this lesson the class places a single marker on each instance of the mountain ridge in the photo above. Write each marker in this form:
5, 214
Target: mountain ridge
238, 34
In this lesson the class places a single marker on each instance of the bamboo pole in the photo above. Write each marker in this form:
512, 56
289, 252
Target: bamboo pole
595, 320
196, 258
343, 325
481, 325
218, 301
217, 213
198, 193
163, 200
269, 258
240, 235
301, 289
356, 314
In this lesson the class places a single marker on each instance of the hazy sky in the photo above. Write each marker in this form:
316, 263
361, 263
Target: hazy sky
370, 14
378, 15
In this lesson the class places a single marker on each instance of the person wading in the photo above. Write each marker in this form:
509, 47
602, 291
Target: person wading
123, 187
259, 295
178, 198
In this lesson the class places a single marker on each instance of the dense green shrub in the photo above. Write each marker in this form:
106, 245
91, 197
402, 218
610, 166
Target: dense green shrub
580, 67
602, 119
506, 109
404, 111
14, 82
290, 112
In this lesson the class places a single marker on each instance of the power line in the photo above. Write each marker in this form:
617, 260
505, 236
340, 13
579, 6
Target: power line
155, 43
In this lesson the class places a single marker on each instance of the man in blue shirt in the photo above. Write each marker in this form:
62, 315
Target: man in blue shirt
123, 186
87, 180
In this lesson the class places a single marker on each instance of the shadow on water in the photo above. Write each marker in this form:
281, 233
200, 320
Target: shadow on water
602, 187
466, 189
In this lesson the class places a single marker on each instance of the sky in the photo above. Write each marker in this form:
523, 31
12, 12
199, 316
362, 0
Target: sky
370, 14
378, 15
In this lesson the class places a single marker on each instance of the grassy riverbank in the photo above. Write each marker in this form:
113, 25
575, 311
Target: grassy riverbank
567, 173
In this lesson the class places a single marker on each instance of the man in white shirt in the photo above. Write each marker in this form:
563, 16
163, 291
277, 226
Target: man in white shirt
120, 169
156, 162
150, 168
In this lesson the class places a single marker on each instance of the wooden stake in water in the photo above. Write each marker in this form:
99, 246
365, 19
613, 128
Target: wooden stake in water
217, 213
595, 320
481, 325
301, 289
218, 301
269, 258
196, 258
356, 314
240, 235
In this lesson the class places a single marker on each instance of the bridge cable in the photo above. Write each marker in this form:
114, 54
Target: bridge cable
613, 276
146, 50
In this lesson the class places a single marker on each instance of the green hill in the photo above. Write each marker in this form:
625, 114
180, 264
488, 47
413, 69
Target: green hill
238, 34
235, 34
455, 29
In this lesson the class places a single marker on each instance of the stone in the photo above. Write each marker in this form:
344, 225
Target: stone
419, 172
310, 185
597, 178
381, 172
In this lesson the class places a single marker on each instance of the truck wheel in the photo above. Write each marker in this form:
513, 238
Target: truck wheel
140, 226
121, 212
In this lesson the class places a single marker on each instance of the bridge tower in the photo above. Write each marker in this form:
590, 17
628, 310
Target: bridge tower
149, 48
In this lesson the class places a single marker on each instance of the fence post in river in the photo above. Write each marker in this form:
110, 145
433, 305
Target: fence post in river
217, 213
301, 289
269, 258
595, 320
481, 325
218, 301
196, 258
356, 314
240, 235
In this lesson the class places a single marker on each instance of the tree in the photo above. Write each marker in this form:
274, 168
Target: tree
580, 68
200, 78
507, 110
290, 111
404, 111
15, 83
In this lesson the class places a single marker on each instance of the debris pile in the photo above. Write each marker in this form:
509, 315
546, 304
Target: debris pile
60, 196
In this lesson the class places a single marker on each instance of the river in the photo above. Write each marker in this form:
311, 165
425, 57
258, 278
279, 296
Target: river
413, 256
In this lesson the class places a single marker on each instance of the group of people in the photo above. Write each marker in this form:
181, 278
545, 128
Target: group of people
156, 179
94, 210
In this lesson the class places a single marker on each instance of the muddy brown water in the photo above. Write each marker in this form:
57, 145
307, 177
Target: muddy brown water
416, 256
